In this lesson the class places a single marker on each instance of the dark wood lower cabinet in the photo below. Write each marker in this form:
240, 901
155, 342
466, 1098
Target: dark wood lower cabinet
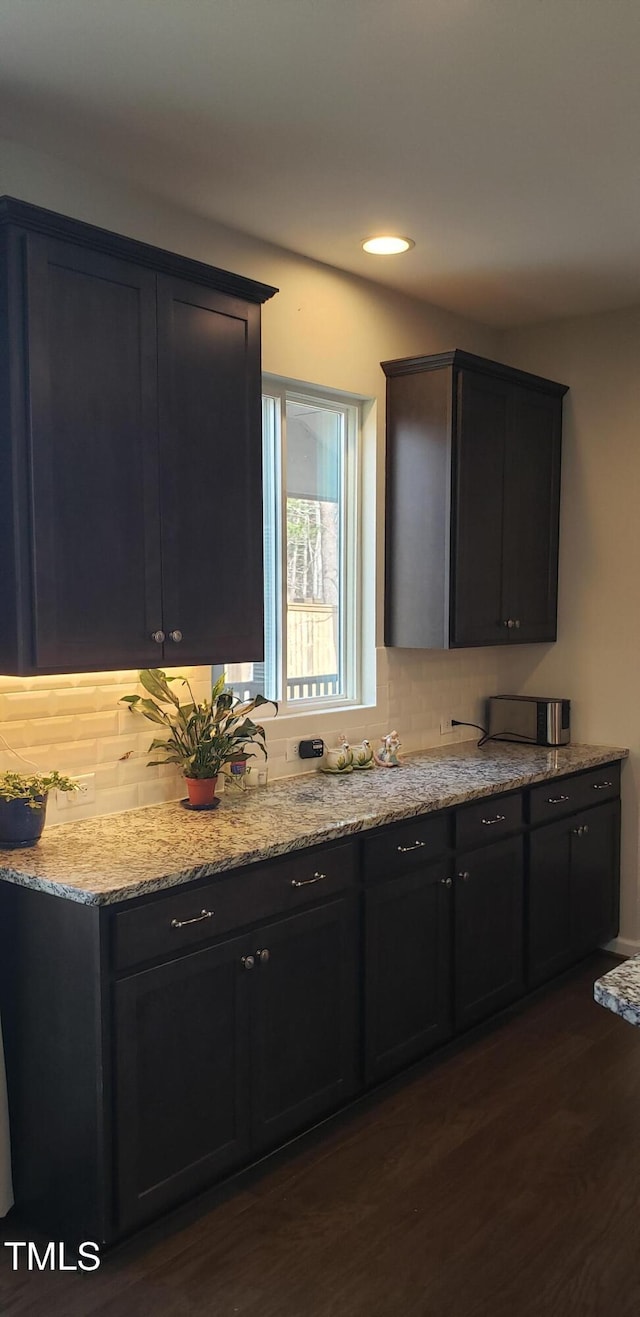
229, 1050
162, 1064
595, 858
488, 895
573, 890
181, 1078
407, 968
304, 1018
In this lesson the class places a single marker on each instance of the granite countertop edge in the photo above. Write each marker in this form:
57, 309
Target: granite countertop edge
619, 990
91, 888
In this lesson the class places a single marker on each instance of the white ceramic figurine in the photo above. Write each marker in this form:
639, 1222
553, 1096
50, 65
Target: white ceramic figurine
387, 756
337, 759
363, 755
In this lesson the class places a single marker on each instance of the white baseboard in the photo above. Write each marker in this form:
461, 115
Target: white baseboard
622, 946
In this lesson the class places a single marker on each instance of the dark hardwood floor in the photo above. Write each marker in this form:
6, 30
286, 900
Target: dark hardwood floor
503, 1181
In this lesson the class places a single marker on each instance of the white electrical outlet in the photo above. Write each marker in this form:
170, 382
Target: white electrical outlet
445, 726
292, 754
85, 795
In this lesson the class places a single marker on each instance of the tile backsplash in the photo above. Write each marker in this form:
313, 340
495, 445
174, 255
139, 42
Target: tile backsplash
75, 723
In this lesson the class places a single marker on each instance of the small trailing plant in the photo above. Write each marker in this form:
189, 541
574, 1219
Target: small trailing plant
199, 738
34, 787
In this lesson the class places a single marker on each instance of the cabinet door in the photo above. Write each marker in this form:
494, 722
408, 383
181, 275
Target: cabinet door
531, 514
407, 968
573, 896
549, 921
181, 1078
478, 614
211, 474
487, 930
595, 843
91, 334
304, 1019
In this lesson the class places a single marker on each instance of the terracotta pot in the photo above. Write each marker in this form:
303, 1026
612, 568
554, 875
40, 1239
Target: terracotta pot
201, 790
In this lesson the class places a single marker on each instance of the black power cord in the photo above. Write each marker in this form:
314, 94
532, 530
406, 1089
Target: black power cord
495, 736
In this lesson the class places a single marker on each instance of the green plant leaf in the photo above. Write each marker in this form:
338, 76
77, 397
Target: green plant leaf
155, 682
218, 687
200, 738
34, 787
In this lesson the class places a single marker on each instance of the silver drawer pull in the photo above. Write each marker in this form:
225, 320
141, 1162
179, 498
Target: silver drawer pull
581, 831
306, 882
600, 786
197, 919
417, 846
499, 818
556, 800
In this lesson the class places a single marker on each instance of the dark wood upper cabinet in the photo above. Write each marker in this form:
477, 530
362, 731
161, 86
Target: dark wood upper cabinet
130, 446
478, 522
211, 473
95, 515
473, 495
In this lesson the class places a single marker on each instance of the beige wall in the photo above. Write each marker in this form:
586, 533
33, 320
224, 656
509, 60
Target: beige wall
596, 660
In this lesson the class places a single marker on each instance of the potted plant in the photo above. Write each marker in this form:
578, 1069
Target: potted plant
23, 804
199, 738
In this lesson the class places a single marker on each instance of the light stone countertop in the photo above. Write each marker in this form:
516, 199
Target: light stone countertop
115, 857
619, 990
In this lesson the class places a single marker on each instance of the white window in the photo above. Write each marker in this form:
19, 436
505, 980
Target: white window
311, 448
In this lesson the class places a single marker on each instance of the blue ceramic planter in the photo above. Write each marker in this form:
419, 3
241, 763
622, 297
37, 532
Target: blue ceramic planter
20, 825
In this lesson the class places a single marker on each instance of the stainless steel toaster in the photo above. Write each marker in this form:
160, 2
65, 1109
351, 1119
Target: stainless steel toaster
529, 718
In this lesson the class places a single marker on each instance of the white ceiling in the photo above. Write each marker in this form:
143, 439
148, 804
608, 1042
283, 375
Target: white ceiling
502, 135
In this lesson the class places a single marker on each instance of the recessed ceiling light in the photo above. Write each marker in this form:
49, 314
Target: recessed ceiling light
387, 245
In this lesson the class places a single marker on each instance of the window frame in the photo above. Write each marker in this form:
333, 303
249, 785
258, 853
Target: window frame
278, 390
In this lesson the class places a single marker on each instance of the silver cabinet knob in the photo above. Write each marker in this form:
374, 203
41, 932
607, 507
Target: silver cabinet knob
577, 832
586, 827
158, 636
447, 882
175, 636
465, 875
263, 956
517, 623
248, 962
510, 623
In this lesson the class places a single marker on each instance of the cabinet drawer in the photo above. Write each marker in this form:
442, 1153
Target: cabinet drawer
406, 846
565, 795
487, 820
183, 918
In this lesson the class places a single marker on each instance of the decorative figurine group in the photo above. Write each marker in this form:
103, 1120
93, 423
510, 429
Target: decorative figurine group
343, 758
